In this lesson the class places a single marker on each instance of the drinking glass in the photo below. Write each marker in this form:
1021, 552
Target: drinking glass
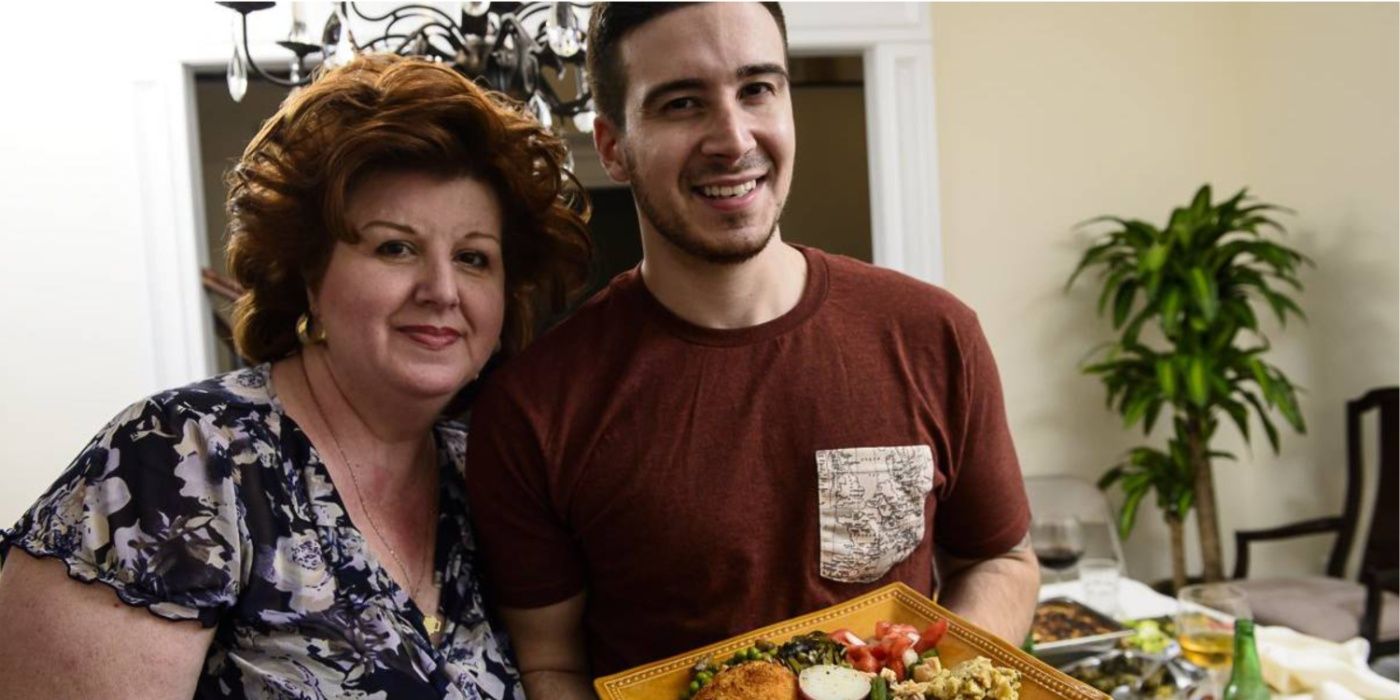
1058, 541
1205, 629
1099, 577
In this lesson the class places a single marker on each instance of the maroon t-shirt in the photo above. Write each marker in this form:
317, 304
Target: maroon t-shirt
698, 483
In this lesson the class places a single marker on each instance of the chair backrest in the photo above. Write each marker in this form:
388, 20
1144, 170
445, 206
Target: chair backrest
1380, 548
1062, 494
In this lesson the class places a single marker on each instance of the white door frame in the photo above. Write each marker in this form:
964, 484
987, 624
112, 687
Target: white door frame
895, 41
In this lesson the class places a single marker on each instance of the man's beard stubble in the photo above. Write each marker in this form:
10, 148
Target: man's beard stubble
680, 234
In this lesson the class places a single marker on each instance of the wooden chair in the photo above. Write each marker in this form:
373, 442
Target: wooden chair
1335, 607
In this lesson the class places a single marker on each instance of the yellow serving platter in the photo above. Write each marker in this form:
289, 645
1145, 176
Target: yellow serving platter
666, 679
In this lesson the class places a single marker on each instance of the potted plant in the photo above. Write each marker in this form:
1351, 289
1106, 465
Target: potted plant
1183, 300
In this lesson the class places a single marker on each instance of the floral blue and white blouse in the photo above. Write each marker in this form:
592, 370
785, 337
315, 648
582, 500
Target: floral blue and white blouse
208, 503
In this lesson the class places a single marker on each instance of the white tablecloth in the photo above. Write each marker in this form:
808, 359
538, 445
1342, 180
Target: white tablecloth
1135, 599
1299, 666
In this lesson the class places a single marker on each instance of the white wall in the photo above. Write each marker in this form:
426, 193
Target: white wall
1052, 113
73, 301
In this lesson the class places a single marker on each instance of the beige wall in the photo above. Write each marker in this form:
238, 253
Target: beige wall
1050, 114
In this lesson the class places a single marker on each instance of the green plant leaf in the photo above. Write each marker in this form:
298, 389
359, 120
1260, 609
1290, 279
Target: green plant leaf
1109, 477
1184, 502
1109, 286
1200, 204
1203, 293
1136, 408
1094, 256
1155, 257
1166, 378
1170, 312
1269, 430
1123, 302
1127, 517
1240, 415
1197, 381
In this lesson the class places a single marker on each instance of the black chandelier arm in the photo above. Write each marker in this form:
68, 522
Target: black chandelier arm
401, 12
394, 22
248, 58
370, 45
511, 26
573, 107
532, 9
428, 37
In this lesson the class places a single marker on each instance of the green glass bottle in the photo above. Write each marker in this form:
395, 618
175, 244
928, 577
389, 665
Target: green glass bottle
1246, 680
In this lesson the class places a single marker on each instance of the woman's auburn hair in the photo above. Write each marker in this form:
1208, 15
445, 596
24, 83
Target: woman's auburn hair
378, 113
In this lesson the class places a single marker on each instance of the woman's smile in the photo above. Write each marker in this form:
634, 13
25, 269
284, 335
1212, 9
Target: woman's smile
431, 337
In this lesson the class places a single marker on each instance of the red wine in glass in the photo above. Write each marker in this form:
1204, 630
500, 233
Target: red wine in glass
1058, 558
1058, 541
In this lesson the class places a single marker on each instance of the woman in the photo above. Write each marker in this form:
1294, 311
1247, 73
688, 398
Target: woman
298, 528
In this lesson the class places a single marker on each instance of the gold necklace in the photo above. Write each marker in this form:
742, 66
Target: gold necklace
431, 622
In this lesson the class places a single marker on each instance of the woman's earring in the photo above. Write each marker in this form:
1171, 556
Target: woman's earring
305, 333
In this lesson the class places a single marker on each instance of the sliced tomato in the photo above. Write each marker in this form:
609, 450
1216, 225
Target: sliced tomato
900, 629
931, 636
846, 638
897, 665
894, 646
862, 658
879, 652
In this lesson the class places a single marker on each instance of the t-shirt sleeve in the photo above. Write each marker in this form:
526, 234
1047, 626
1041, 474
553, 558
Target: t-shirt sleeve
143, 510
530, 556
984, 511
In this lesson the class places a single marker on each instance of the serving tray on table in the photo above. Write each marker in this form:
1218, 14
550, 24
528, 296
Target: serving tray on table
668, 678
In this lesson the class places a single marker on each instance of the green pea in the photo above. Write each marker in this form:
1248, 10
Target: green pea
694, 686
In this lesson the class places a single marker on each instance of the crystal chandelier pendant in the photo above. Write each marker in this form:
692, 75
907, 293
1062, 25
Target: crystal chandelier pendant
345, 48
336, 38
237, 68
583, 121
542, 112
562, 30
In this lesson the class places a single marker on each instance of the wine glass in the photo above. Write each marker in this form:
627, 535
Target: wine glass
1205, 620
1058, 541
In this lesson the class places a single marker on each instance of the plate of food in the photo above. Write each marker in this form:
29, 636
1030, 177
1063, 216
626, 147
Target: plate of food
890, 644
1064, 624
1124, 673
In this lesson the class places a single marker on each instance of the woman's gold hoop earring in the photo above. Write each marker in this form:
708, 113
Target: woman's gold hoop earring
305, 333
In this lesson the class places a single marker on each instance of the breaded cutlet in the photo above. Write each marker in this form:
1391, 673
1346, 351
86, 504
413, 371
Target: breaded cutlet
755, 680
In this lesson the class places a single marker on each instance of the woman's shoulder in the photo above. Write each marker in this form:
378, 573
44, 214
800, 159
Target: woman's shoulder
249, 388
217, 404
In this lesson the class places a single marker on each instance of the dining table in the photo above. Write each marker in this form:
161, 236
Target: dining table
1296, 666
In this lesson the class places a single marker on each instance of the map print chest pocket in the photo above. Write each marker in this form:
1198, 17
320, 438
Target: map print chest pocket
870, 502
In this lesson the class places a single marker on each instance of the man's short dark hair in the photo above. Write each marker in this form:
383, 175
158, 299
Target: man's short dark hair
608, 24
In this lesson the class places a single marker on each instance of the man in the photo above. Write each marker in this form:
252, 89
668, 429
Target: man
739, 430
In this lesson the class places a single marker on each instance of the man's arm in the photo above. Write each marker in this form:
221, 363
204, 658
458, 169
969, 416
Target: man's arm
996, 594
549, 646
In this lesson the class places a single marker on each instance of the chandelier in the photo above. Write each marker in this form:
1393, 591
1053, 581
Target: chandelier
531, 51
